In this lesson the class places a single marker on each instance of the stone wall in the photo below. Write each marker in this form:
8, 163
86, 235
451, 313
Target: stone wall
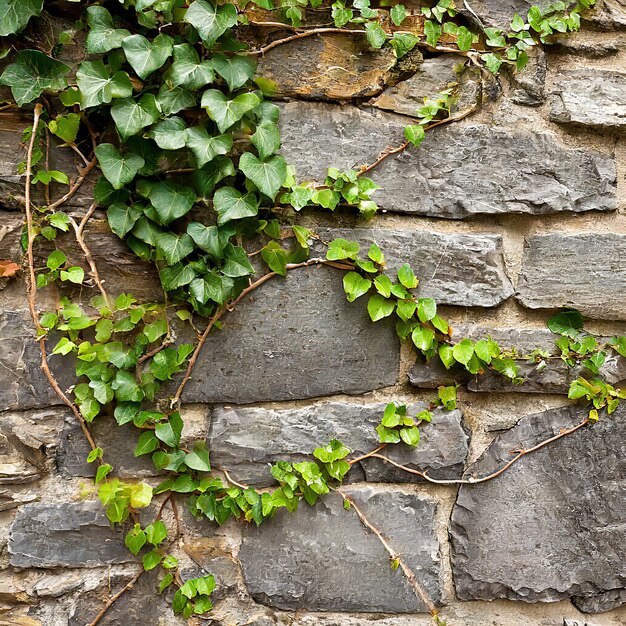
506, 215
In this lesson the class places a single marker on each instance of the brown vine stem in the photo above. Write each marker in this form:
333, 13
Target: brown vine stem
420, 592
230, 479
306, 33
82, 175
109, 603
474, 481
231, 305
32, 287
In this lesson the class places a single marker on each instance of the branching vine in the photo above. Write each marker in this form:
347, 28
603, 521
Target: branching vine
191, 180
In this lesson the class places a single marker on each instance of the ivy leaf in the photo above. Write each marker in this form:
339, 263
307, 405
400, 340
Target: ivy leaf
340, 249
266, 139
204, 147
135, 539
276, 257
170, 134
187, 70
423, 338
334, 451
15, 14
410, 436
103, 36
226, 112
198, 458
176, 276
403, 43
379, 307
174, 247
207, 238
426, 309
97, 86
170, 200
131, 116
31, 74
152, 559
169, 432
65, 126
432, 30
492, 61
122, 218
414, 133
213, 286
126, 387
119, 169
231, 204
407, 277
375, 34
140, 495
236, 70
463, 351
237, 263
567, 323
464, 38
268, 175
210, 21
398, 14
355, 285
173, 100
147, 56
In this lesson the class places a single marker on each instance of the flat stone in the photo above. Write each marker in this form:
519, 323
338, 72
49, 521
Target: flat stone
455, 269
572, 270
329, 66
302, 332
76, 534
499, 13
528, 85
323, 559
245, 440
449, 71
457, 172
553, 525
607, 15
591, 98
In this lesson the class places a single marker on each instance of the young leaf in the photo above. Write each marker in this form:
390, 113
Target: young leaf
276, 257
397, 14
375, 34
407, 277
355, 285
340, 249
198, 458
379, 307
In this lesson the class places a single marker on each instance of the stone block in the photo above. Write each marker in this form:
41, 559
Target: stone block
323, 559
293, 338
245, 440
458, 171
585, 271
553, 525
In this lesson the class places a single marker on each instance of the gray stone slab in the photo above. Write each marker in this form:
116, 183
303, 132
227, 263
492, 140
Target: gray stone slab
590, 97
528, 85
551, 527
322, 558
75, 534
582, 271
457, 269
457, 172
295, 338
245, 440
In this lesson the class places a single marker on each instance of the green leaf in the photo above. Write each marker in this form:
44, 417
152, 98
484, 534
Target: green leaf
387, 435
210, 21
146, 443
266, 139
517, 24
152, 559
379, 307
231, 204
198, 458
414, 134
237, 262
423, 338
376, 254
173, 100
156, 533
397, 14
174, 247
204, 147
492, 61
433, 32
410, 436
122, 218
170, 201
125, 412
276, 257
169, 432
155, 330
447, 396
407, 277
135, 539
102, 472
334, 451
167, 580
567, 323
464, 39
236, 70
426, 309
383, 285
32, 73
340, 249
176, 276
97, 86
130, 116
268, 175
15, 14
55, 260
375, 34
463, 351
208, 238
406, 309
226, 112
170, 134
187, 70
126, 387
618, 344
355, 285
147, 56
119, 169
213, 286
403, 43
65, 126
140, 495
102, 36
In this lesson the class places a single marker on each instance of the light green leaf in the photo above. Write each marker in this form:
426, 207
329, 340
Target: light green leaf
433, 32
126, 387
198, 458
204, 147
426, 309
464, 38
226, 112
131, 116
236, 70
170, 134
187, 70
210, 21
423, 338
169, 432
32, 73
268, 175
147, 56
463, 351
375, 34
174, 247
73, 274
276, 257
414, 133
119, 169
65, 126
403, 43
103, 36
340, 249
231, 204
397, 14
379, 307
97, 86
355, 285
140, 495
407, 277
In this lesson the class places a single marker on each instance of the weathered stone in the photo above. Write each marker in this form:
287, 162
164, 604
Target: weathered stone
600, 602
458, 171
553, 525
329, 66
581, 271
245, 440
434, 75
65, 535
457, 269
607, 15
593, 98
301, 561
302, 332
528, 86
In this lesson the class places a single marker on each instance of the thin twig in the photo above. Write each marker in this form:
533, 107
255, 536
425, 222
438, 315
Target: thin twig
420, 592
368, 454
127, 587
74, 147
82, 175
306, 33
230, 479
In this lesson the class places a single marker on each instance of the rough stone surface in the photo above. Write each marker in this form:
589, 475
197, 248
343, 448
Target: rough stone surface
65, 535
581, 271
553, 525
592, 98
458, 171
433, 76
247, 439
329, 66
528, 86
306, 335
300, 561
457, 269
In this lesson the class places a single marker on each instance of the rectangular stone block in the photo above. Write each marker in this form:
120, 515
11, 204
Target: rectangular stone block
459, 170
294, 338
322, 558
584, 271
246, 440
73, 534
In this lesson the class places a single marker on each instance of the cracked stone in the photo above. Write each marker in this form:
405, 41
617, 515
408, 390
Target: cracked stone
528, 86
300, 561
551, 527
